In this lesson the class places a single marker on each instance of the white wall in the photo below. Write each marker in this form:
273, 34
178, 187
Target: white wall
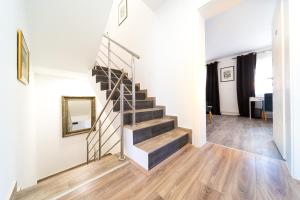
227, 90
15, 104
55, 153
172, 64
278, 81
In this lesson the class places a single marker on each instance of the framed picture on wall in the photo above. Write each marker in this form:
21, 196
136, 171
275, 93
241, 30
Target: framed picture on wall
23, 59
227, 74
122, 9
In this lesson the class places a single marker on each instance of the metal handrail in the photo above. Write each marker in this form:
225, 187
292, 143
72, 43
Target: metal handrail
106, 104
96, 130
116, 55
122, 47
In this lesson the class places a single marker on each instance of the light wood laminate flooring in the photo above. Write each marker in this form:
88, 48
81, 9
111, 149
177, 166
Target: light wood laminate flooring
211, 172
253, 135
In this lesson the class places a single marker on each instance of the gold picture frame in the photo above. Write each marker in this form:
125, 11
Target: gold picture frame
67, 115
23, 59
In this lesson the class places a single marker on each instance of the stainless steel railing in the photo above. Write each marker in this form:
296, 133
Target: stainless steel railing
99, 136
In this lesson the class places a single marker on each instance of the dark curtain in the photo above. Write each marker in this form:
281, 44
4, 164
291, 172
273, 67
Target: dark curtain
212, 88
245, 83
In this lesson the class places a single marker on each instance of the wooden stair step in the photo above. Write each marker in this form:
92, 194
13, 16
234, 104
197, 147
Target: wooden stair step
162, 140
148, 129
161, 147
150, 123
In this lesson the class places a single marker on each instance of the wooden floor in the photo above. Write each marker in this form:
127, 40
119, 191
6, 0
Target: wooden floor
242, 133
212, 172
58, 184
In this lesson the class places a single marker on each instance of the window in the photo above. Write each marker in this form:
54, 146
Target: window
263, 74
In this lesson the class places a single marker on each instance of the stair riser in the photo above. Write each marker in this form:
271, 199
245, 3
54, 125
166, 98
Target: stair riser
98, 69
105, 79
101, 73
143, 116
156, 157
150, 132
138, 96
104, 86
138, 105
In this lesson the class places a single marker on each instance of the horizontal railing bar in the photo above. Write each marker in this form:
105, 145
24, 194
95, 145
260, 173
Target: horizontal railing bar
102, 61
124, 48
93, 146
113, 82
128, 103
112, 147
110, 111
106, 73
121, 59
110, 136
110, 124
93, 157
110, 60
106, 104
91, 140
130, 92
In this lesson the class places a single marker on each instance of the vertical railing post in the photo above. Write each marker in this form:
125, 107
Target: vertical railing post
100, 142
133, 89
108, 64
122, 157
87, 151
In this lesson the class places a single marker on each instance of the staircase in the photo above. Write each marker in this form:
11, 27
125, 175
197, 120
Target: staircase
154, 136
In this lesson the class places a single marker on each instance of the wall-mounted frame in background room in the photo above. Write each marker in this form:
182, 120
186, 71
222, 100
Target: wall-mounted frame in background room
23, 59
122, 11
227, 74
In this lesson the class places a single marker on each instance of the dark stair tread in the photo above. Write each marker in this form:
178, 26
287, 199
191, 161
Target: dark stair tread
146, 109
162, 140
101, 68
104, 86
127, 85
150, 123
105, 76
114, 79
146, 99
127, 93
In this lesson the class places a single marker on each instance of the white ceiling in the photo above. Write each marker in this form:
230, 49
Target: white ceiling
66, 34
154, 4
246, 26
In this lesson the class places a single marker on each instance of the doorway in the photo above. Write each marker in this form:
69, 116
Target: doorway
239, 90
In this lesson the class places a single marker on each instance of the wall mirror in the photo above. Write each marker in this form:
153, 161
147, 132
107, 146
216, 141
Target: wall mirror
78, 115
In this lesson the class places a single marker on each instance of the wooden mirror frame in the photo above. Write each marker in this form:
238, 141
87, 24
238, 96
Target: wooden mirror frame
65, 115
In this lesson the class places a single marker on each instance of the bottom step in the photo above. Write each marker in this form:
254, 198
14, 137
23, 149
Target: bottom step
161, 147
